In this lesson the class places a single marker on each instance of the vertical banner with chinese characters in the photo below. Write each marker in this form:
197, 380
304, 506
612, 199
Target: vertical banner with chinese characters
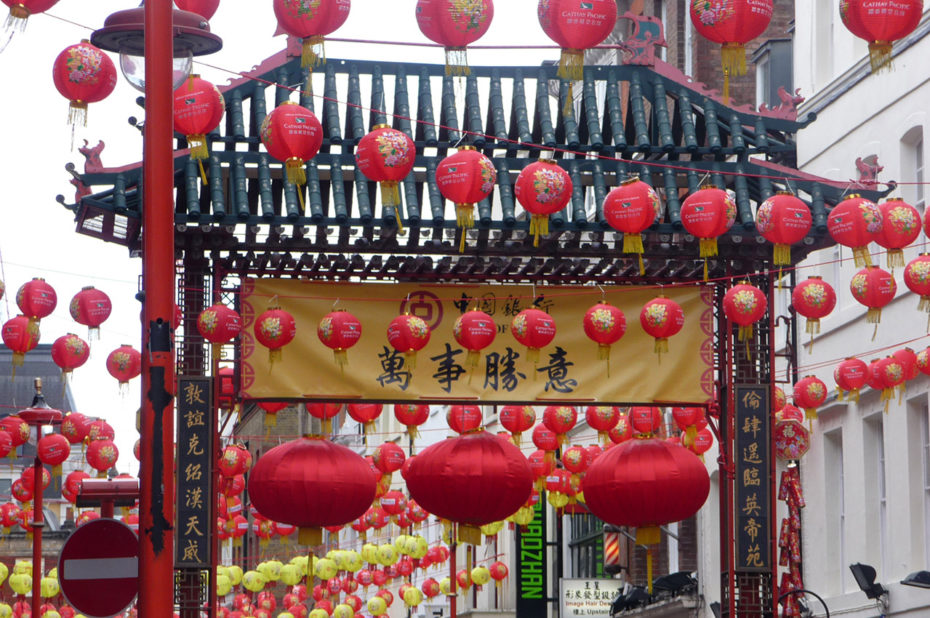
752, 482
568, 369
532, 564
195, 471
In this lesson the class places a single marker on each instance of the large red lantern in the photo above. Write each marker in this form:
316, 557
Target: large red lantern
464, 419
387, 156
732, 24
274, 329
124, 363
874, 288
745, 305
602, 419
917, 280
365, 413
855, 222
881, 23
605, 325
465, 177
783, 220
813, 298
474, 330
52, 450
101, 455
661, 318
516, 420
339, 331
454, 25
408, 334
473, 479
542, 188
535, 329
69, 352
809, 393
311, 20
292, 134
90, 307
706, 214
218, 324
560, 420
575, 27
204, 8
411, 415
83, 73
311, 483
36, 299
851, 375
271, 409
198, 109
632, 208
900, 227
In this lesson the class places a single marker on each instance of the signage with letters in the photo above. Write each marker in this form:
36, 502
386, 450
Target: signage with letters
195, 469
532, 570
588, 597
752, 482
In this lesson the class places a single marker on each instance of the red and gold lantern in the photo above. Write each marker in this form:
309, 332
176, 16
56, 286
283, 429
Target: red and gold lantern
632, 208
292, 134
100, 430
218, 324
602, 419
83, 73
917, 280
855, 222
465, 178
20, 335
339, 331
20, 10
783, 220
198, 109
559, 420
365, 413
813, 298
52, 450
325, 412
204, 8
542, 188
101, 455
881, 23
474, 330
311, 20
745, 305
886, 374
36, 299
687, 421
464, 419
662, 318
69, 352
923, 361
274, 329
792, 440
454, 25
874, 288
90, 307
124, 363
535, 329
516, 420
900, 227
387, 156
809, 393
605, 325
706, 214
408, 334
645, 420
411, 415
576, 27
851, 375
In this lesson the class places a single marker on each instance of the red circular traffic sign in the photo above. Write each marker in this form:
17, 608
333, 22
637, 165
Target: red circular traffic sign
99, 568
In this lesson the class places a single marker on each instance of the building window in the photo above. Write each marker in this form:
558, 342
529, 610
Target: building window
823, 43
876, 515
773, 61
587, 546
835, 503
924, 431
912, 172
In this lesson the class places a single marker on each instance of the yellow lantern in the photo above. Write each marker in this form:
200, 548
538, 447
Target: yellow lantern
235, 574
53, 573
523, 516
301, 563
445, 586
223, 585
51, 614
480, 575
23, 566
290, 575
48, 587
318, 613
285, 615
4, 571
254, 581
354, 561
20, 583
343, 611
400, 544
412, 597
271, 569
387, 555
5, 611
370, 553
492, 528
324, 568
377, 606
421, 547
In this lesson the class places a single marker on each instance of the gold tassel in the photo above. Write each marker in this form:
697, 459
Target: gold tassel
295, 172
813, 326
312, 53
649, 569
341, 357
862, 257
568, 108
77, 113
782, 255
274, 356
895, 259
197, 143
571, 64
880, 55
733, 61
457, 62
810, 414
472, 359
603, 352
532, 355
465, 219
539, 226
924, 304
633, 243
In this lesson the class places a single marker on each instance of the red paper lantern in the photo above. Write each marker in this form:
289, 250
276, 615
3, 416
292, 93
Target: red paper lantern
339, 331
783, 220
292, 134
464, 419
412, 416
101, 455
576, 459
20, 491
311, 20
887, 374
474, 330
535, 329
388, 457
20, 10
881, 22
17, 428
703, 440
732, 24
9, 516
632, 208
36, 299
855, 222
365, 413
874, 288
6, 443
271, 409
99, 429
467, 176
20, 335
124, 363
923, 361
559, 420
69, 352
559, 491
53, 449
661, 318
90, 307
623, 431
576, 27
605, 325
227, 395
394, 503
233, 461
687, 420
645, 420
83, 74
542, 188
813, 298
780, 399
204, 8
792, 440
516, 420
274, 329
706, 214
28, 477
311, 483
325, 412
810, 393
430, 587
473, 479
386, 156
917, 280
198, 109
851, 375
602, 419
408, 334
900, 227
745, 305
454, 25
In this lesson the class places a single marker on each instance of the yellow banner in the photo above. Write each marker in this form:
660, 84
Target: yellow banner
567, 370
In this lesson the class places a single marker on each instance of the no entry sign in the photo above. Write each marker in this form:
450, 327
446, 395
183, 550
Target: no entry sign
99, 568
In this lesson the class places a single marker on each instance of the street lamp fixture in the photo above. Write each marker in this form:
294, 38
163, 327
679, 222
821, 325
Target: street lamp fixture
865, 577
918, 579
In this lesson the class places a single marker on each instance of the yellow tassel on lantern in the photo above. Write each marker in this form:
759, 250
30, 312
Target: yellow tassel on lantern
412, 432
733, 61
571, 64
310, 536
661, 346
539, 226
341, 357
648, 536
887, 396
781, 255
862, 257
880, 55
313, 53
271, 420
457, 62
810, 414
274, 356
296, 174
469, 534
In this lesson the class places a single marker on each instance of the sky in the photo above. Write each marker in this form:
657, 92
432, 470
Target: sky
37, 234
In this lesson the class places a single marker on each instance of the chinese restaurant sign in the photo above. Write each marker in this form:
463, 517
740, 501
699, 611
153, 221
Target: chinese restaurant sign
753, 502
532, 565
568, 369
588, 597
194, 492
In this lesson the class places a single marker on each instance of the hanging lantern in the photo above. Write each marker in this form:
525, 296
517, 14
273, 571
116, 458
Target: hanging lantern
20, 10
576, 460
632, 208
365, 414
292, 134
779, 398
851, 375
271, 409
745, 305
900, 227
311, 20
645, 420
810, 393
52, 450
18, 430
542, 463
516, 420
20, 335
274, 329
881, 23
602, 419
783, 220
204, 8
792, 440
325, 412
83, 73
198, 110
69, 352
233, 461
703, 440
20, 491
474, 330
6, 443
464, 419
408, 334
661, 318
124, 363
874, 288
917, 280
36, 299
813, 298
387, 156
886, 374
605, 325
411, 415
706, 214
454, 25
339, 331
465, 177
90, 307
923, 361
100, 430
732, 24
227, 392
575, 27
855, 222
907, 358
559, 420
535, 329
311, 483
687, 420
101, 455
542, 188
